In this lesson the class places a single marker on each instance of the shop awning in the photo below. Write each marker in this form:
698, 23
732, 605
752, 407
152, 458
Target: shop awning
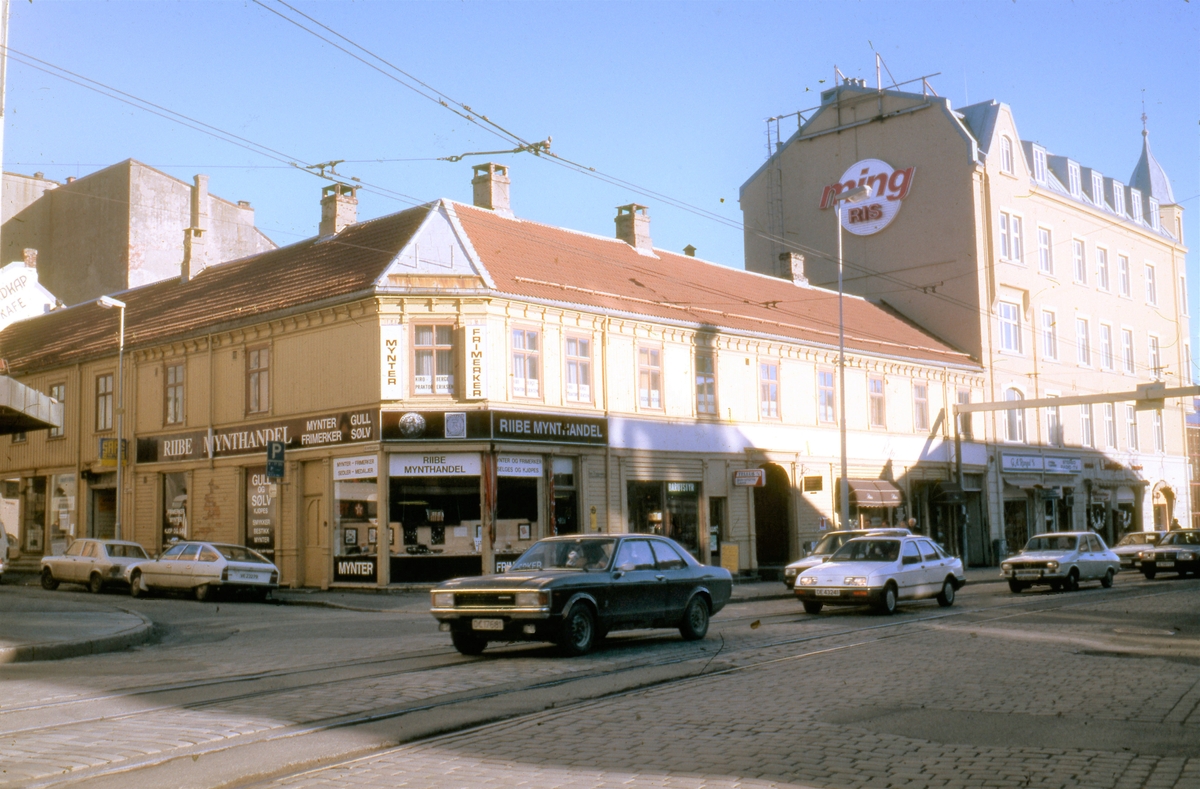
23, 409
873, 493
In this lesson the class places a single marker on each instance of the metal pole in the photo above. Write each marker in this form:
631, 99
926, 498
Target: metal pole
120, 417
844, 485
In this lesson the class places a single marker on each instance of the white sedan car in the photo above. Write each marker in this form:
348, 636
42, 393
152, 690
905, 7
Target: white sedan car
828, 544
203, 568
94, 563
1061, 560
882, 571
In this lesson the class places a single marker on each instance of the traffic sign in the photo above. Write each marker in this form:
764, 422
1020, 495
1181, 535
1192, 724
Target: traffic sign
275, 459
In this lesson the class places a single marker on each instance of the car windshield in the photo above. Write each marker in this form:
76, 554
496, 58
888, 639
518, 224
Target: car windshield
831, 542
1139, 538
590, 555
867, 551
236, 553
1182, 538
126, 552
1061, 542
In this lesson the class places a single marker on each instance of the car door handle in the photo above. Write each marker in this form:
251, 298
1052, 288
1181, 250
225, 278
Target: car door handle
661, 577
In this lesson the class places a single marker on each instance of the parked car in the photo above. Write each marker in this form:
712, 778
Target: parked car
205, 568
1177, 552
575, 590
1061, 560
1130, 547
4, 538
92, 562
882, 571
825, 548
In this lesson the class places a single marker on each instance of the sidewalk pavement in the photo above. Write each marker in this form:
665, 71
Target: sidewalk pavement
39, 627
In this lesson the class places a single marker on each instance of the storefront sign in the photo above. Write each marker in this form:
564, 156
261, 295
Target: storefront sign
681, 488
262, 511
108, 452
475, 363
519, 466
493, 426
1051, 464
1020, 462
1061, 465
21, 296
888, 188
750, 478
348, 427
446, 464
391, 361
1099, 495
358, 467
354, 569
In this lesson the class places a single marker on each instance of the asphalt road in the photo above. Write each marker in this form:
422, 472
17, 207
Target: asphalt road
1097, 688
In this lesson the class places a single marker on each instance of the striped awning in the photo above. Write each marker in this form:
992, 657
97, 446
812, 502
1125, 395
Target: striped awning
873, 493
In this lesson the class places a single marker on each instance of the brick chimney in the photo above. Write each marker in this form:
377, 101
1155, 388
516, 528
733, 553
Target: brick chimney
193, 253
30, 256
633, 226
490, 185
791, 266
339, 208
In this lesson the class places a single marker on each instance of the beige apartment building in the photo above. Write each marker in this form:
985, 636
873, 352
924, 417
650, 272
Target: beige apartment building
473, 382
1060, 280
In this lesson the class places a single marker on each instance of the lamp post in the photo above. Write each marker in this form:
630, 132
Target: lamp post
848, 196
110, 303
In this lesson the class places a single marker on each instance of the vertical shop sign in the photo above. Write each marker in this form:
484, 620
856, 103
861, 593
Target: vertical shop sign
476, 362
262, 511
175, 509
391, 361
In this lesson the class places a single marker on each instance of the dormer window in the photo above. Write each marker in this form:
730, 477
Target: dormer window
1154, 220
1006, 155
1073, 178
1098, 190
1118, 198
1039, 164
1135, 203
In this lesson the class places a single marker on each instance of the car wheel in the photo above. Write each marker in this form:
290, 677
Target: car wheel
135, 585
467, 643
203, 592
946, 598
49, 582
887, 603
1015, 586
1072, 582
578, 631
1107, 580
813, 607
695, 620
95, 583
1149, 573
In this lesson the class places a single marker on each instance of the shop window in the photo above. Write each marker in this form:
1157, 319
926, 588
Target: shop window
768, 390
920, 407
356, 519
650, 377
33, 515
262, 511
175, 509
62, 511
670, 509
517, 498
579, 370
878, 406
706, 384
437, 514
826, 410
104, 402
717, 507
566, 497
173, 394
433, 360
59, 393
258, 380
526, 363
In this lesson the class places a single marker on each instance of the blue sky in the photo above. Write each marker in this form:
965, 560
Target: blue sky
670, 97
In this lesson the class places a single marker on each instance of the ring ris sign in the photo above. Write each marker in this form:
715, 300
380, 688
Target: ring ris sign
888, 186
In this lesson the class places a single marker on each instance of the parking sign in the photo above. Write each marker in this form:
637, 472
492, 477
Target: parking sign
274, 460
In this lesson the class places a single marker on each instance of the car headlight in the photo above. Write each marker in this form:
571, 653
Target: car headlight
790, 572
1187, 557
855, 580
1051, 565
532, 599
443, 599
1142, 554
1005, 567
808, 580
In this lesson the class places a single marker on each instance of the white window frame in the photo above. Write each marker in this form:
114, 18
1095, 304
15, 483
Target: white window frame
1128, 359
1006, 155
439, 356
1005, 243
1079, 259
706, 385
1103, 281
1039, 164
1010, 327
1107, 358
1151, 285
1054, 426
1083, 342
1086, 436
1160, 438
1124, 283
1049, 335
1135, 203
1131, 426
876, 402
1155, 219
1098, 190
1183, 295
1154, 356
57, 392
526, 362
1014, 419
650, 377
1110, 426
768, 390
827, 412
1118, 195
1073, 180
577, 384
1045, 250
920, 407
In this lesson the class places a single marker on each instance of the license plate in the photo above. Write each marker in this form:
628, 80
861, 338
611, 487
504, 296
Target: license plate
1029, 574
254, 578
487, 624
829, 593
1165, 564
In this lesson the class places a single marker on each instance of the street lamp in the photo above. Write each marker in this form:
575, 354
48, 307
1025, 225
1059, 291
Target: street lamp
110, 303
848, 196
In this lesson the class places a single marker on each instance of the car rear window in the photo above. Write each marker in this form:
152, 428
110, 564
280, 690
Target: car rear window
668, 558
236, 553
126, 552
928, 552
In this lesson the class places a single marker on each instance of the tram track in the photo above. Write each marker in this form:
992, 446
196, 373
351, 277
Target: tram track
498, 701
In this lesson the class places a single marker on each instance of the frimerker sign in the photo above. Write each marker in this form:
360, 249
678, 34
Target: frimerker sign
493, 426
348, 427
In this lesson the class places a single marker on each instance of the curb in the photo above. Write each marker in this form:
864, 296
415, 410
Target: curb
59, 650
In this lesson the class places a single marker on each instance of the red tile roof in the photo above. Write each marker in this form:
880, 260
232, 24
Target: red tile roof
532, 260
